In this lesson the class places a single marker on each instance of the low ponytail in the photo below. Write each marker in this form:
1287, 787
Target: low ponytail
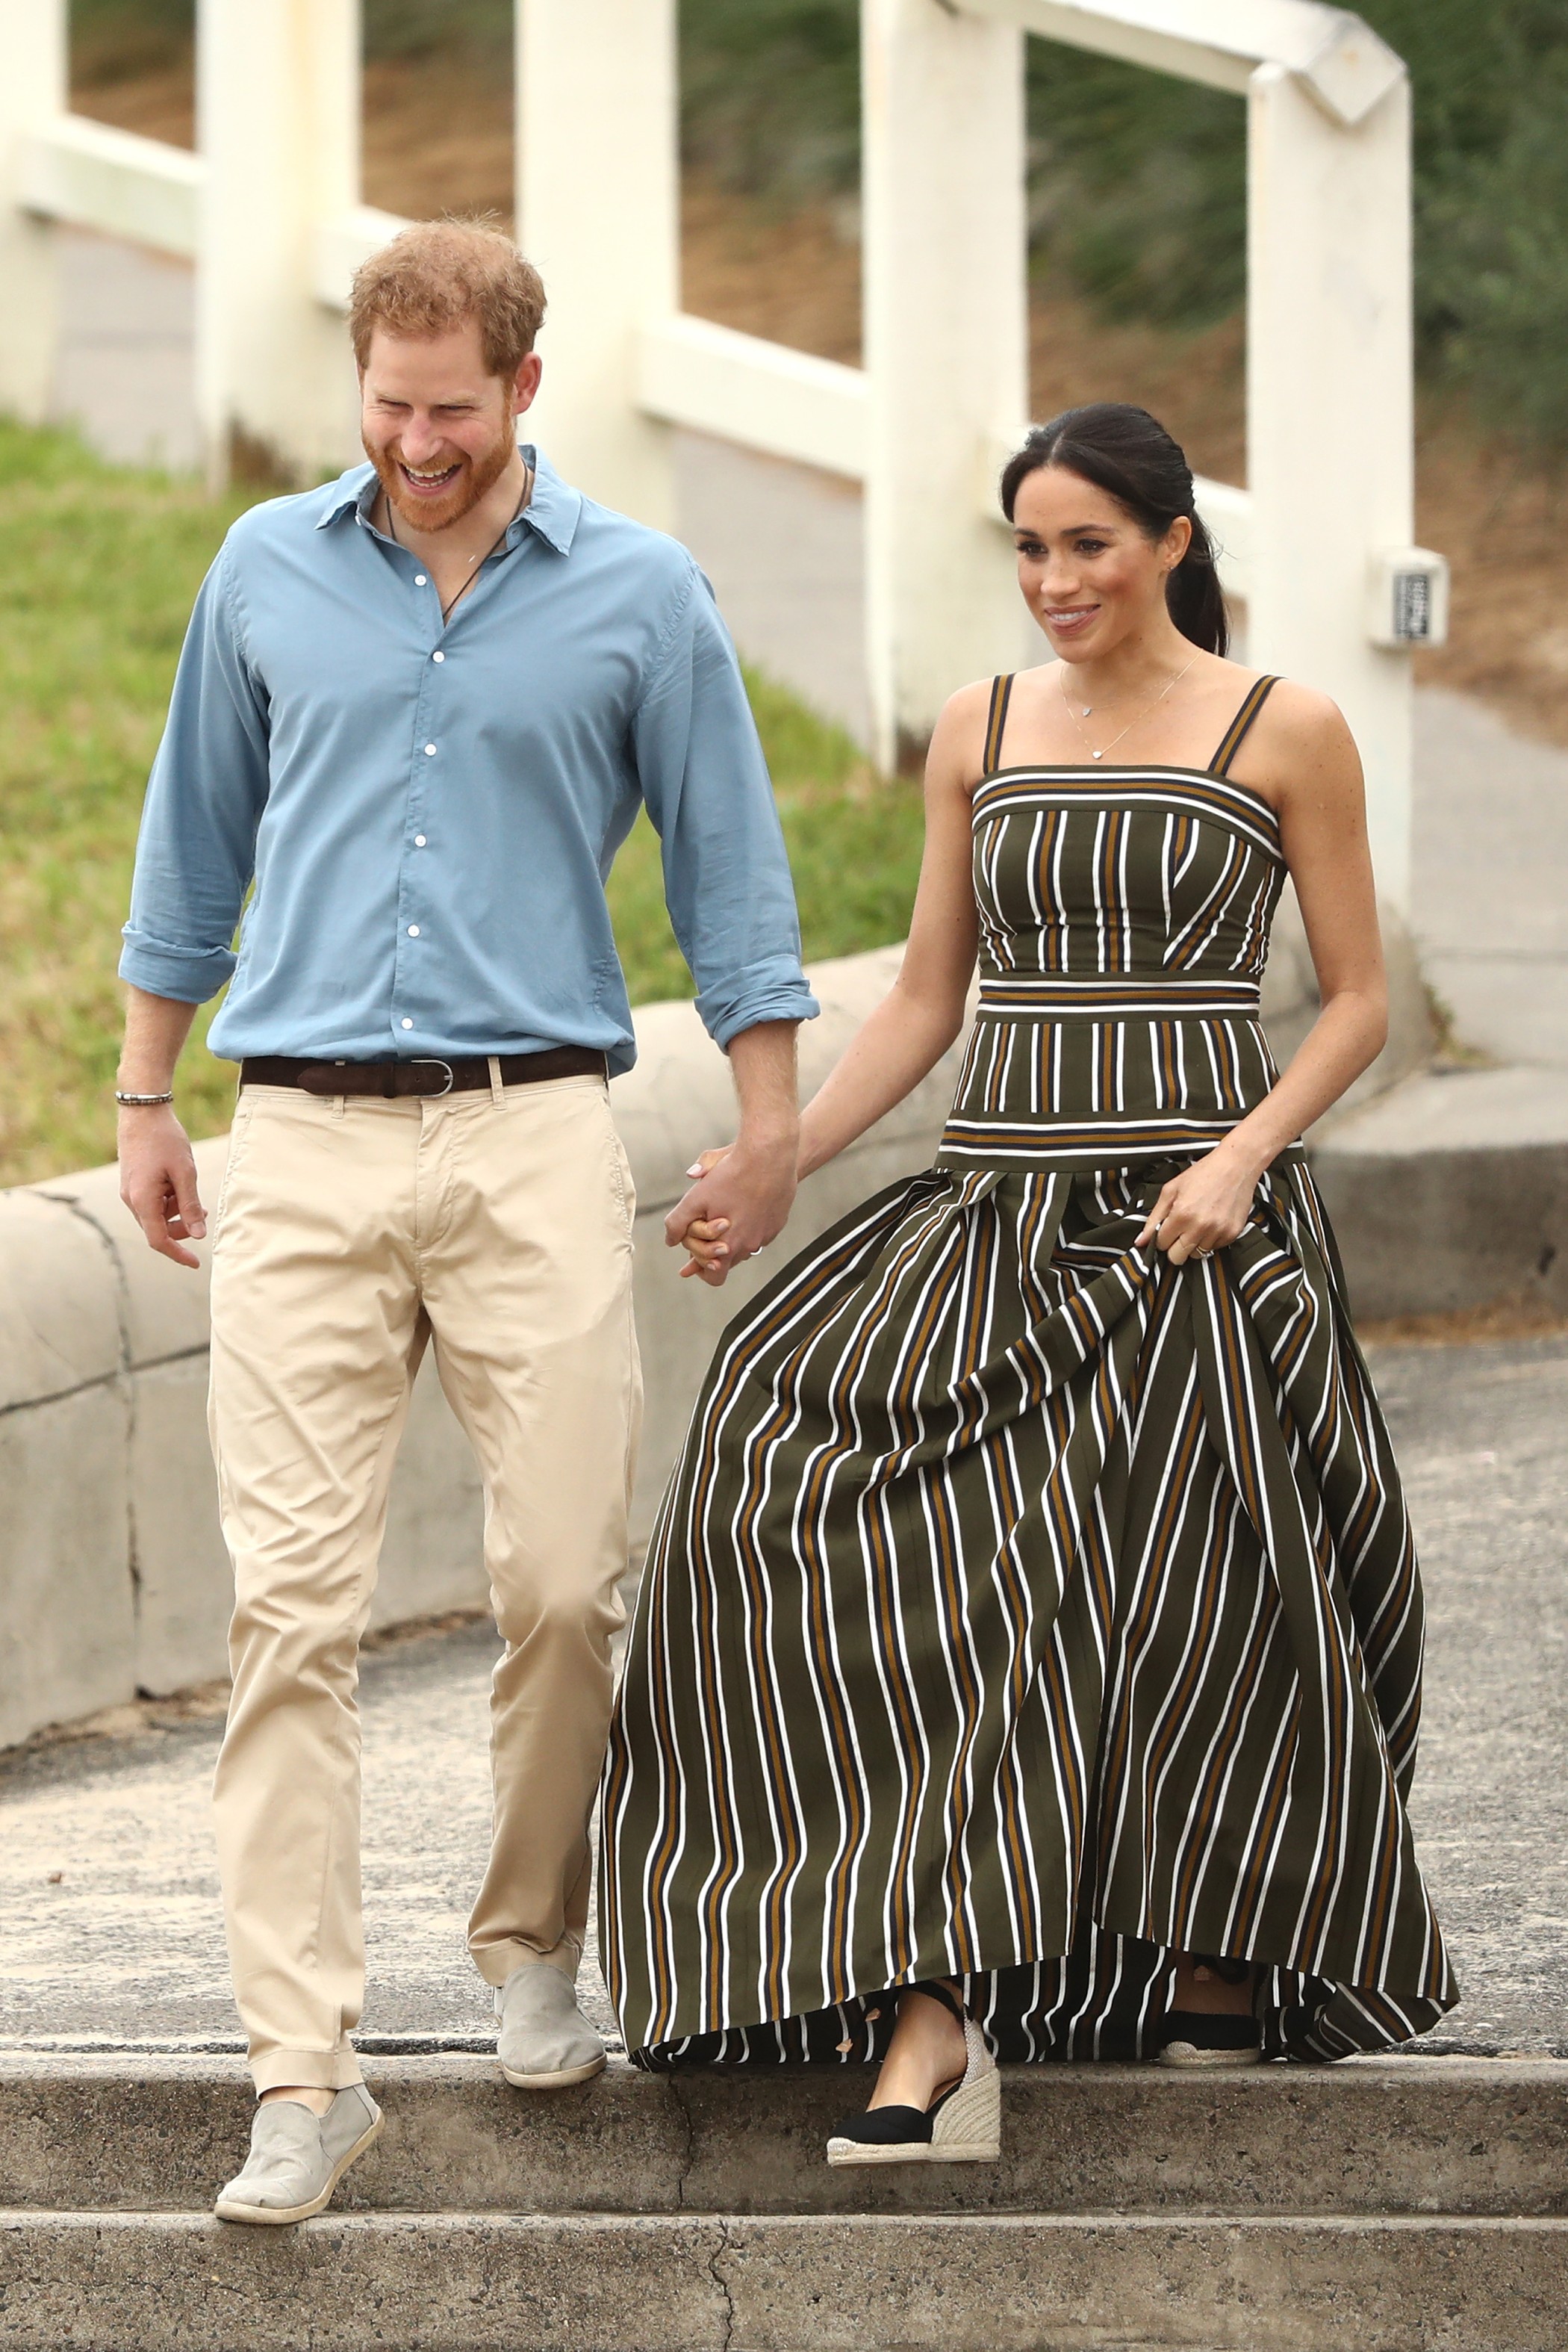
1126, 453
1193, 597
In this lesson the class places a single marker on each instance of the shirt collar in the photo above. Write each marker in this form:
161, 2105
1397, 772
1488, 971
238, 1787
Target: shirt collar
555, 509
552, 513
351, 493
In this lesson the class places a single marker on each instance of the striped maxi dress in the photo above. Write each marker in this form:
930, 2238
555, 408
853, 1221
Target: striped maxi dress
1023, 1608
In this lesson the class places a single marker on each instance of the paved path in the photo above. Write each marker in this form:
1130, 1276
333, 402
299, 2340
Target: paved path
123, 1946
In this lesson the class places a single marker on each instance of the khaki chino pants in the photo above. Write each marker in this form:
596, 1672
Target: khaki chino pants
351, 1232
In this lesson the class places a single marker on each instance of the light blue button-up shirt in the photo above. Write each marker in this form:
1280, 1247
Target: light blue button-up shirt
429, 809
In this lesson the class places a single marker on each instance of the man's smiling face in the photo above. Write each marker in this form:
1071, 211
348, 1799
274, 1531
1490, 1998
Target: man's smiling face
437, 430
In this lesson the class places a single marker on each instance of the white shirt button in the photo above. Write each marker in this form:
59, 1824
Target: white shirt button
438, 656
419, 841
408, 1024
413, 931
429, 750
419, 581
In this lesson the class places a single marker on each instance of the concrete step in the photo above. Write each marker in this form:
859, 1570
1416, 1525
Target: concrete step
1408, 2137
468, 2283
1450, 1191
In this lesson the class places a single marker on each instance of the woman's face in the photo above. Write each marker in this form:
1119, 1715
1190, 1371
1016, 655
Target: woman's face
1089, 573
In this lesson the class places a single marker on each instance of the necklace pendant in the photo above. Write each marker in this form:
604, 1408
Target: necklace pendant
1099, 755
1089, 711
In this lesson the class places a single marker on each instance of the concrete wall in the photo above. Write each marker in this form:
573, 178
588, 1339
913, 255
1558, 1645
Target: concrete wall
113, 1579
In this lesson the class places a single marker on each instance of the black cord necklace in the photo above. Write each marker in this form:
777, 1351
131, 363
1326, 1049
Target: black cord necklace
477, 563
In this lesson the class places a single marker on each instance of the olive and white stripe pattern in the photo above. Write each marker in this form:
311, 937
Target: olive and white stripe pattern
1019, 1601
1024, 1608
1123, 929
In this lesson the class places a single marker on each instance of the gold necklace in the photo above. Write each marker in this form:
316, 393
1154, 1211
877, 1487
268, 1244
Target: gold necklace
1169, 688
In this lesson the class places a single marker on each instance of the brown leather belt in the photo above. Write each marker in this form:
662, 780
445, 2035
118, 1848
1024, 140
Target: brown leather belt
422, 1073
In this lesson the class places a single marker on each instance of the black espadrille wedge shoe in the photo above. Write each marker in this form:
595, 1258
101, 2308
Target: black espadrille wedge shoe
1194, 2037
1216, 2039
962, 2124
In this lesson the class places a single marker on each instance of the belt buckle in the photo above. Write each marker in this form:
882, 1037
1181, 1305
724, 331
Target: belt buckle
434, 1061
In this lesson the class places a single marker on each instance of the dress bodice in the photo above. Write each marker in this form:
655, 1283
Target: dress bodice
1124, 922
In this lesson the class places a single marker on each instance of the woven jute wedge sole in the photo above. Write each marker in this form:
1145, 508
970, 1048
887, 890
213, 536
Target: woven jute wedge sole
1187, 2053
966, 2129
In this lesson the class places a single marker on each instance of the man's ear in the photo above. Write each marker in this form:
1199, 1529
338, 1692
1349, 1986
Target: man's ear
525, 385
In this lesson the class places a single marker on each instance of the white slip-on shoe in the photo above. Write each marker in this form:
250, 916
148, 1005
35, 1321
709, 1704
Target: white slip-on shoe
545, 2043
962, 2125
296, 2159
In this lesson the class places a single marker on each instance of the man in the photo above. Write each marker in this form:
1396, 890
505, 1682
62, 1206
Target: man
419, 709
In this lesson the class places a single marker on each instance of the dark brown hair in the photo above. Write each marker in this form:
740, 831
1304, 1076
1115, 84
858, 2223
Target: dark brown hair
433, 275
1126, 453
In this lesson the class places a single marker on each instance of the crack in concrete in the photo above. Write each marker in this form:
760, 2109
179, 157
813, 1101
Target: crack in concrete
101, 1381
676, 2089
722, 2283
125, 1380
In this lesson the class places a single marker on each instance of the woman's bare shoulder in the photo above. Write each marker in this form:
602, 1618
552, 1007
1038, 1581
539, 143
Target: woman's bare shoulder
1311, 719
1298, 741
957, 754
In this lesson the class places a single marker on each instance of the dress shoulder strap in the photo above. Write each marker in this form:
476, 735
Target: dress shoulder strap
995, 725
1235, 734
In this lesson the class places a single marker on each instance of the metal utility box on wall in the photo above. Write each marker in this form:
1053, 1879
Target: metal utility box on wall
1408, 604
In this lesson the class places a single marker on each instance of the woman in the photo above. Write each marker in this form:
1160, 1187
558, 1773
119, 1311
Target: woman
1028, 1663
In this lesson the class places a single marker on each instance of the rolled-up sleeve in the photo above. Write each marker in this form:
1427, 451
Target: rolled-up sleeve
706, 788
196, 850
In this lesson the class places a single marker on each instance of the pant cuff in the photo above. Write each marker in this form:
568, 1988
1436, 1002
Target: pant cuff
496, 1962
306, 2069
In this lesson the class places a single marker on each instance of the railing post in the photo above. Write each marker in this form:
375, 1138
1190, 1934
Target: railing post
277, 102
1329, 410
946, 350
33, 88
598, 210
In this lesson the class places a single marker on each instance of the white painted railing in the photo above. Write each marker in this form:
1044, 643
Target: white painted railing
90, 176
1317, 542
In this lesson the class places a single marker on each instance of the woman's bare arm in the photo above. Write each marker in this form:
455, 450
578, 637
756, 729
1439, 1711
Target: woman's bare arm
902, 1042
1321, 804
907, 1035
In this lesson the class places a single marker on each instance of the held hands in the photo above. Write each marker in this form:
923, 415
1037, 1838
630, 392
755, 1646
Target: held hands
742, 1198
1204, 1208
158, 1183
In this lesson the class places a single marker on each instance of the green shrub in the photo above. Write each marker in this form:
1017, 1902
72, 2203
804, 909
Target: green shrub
414, 29
770, 94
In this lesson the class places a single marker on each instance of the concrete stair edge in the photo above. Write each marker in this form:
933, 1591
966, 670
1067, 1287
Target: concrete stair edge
1025, 2284
1408, 2136
1450, 1191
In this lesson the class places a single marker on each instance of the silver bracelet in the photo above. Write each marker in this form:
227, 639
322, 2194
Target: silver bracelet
141, 1102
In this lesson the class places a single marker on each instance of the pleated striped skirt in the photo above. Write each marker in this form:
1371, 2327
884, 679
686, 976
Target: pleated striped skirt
1026, 1610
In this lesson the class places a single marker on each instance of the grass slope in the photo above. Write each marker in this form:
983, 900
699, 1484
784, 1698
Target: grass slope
101, 567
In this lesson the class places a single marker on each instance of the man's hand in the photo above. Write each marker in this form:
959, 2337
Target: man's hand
744, 1194
158, 1182
741, 1200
